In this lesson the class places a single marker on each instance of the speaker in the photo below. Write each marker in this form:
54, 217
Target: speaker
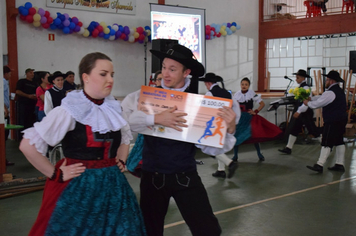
161, 45
352, 63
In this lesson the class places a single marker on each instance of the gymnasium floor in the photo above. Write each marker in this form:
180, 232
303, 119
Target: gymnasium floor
277, 197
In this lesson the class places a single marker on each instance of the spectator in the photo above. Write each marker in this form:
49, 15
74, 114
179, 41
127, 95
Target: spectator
54, 96
26, 102
40, 93
7, 76
69, 84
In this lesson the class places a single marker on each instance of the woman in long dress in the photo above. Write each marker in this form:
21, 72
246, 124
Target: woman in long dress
86, 193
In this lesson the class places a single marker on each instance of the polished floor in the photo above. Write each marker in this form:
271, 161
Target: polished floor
277, 197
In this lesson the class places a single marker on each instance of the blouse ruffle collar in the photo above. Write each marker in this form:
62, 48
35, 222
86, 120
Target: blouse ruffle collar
102, 118
243, 97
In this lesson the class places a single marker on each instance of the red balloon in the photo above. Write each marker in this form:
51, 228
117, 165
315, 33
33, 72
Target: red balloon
22, 17
212, 28
46, 25
136, 39
49, 20
100, 28
29, 18
32, 11
218, 35
141, 37
47, 14
95, 33
207, 31
139, 30
80, 24
123, 36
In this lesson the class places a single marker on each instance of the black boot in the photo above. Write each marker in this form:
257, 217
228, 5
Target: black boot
286, 150
337, 167
316, 167
219, 173
232, 168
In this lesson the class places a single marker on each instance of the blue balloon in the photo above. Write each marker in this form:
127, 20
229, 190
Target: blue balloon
58, 14
28, 5
53, 26
147, 27
106, 36
91, 28
121, 28
62, 17
225, 24
24, 12
233, 23
60, 26
211, 32
238, 27
109, 27
71, 25
57, 21
112, 32
66, 30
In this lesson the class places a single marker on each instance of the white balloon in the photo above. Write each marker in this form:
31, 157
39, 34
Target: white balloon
131, 39
81, 31
112, 37
115, 27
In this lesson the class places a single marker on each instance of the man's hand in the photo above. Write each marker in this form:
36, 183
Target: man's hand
229, 116
32, 96
169, 118
296, 115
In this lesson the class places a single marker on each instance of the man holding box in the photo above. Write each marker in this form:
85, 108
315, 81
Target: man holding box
169, 167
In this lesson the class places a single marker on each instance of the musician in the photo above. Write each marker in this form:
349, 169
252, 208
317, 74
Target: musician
302, 116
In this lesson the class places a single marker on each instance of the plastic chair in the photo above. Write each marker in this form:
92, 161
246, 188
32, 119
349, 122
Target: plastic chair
312, 10
349, 5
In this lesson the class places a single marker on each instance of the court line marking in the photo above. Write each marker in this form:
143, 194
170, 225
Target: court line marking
267, 200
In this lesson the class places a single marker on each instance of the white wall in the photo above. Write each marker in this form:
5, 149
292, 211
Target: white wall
2, 6
233, 57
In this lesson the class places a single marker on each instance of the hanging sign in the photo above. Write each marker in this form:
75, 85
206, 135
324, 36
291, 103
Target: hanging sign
107, 6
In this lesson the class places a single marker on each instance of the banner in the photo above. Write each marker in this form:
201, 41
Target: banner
204, 125
107, 6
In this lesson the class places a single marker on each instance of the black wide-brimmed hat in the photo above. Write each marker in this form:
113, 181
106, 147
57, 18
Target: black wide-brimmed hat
55, 75
334, 75
302, 73
184, 56
211, 77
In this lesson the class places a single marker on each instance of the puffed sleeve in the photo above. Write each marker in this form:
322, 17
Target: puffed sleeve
51, 130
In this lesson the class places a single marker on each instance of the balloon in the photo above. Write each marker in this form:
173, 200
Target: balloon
95, 33
28, 5
99, 28
228, 25
49, 20
233, 23
224, 33
71, 25
147, 27
106, 36
207, 37
222, 30
139, 30
46, 25
148, 32
218, 35
53, 26
62, 17
106, 31
121, 28
66, 30
66, 22
66, 16
22, 17
126, 30
29, 18
132, 31
141, 37
101, 34
36, 24
36, 8
136, 35
123, 36
118, 34
47, 14
86, 33
25, 11
238, 27
141, 41
212, 33
81, 31
36, 17
41, 11
112, 37
131, 39
103, 24
31, 11
233, 28
75, 20
91, 28
57, 21
112, 32
115, 27
43, 20
77, 28
60, 26
80, 24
